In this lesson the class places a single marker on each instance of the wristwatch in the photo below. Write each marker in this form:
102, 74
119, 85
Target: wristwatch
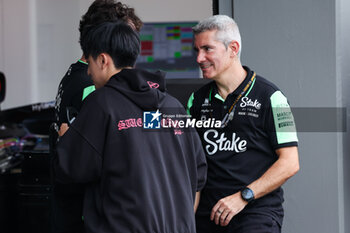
247, 194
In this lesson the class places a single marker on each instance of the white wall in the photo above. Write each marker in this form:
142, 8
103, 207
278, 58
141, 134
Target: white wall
39, 40
168, 10
343, 56
16, 60
1, 33
57, 43
296, 45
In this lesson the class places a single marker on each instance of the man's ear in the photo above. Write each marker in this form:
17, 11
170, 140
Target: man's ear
103, 60
234, 46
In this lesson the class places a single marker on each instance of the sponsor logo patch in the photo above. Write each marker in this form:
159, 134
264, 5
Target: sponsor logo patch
152, 84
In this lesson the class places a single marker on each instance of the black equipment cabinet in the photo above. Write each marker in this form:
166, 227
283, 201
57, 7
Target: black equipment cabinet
34, 193
25, 181
8, 203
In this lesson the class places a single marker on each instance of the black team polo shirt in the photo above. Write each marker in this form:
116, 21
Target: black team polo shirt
241, 152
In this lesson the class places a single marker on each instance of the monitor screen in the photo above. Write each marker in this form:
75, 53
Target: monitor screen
168, 47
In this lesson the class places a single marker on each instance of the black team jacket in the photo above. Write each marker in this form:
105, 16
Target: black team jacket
138, 180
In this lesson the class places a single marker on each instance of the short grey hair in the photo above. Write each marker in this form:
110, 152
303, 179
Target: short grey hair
227, 29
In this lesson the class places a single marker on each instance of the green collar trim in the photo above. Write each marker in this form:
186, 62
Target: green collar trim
87, 91
190, 103
219, 97
251, 87
83, 62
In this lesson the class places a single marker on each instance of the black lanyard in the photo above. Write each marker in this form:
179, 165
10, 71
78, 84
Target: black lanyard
230, 113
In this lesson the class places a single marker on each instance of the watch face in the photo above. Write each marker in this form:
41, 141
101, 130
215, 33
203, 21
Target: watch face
247, 194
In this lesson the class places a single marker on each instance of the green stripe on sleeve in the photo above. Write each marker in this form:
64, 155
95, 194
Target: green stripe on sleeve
190, 103
87, 91
283, 119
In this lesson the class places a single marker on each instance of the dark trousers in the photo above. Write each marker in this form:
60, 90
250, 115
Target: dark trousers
67, 213
243, 223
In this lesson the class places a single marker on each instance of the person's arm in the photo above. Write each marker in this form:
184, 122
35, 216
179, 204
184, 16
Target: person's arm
79, 150
285, 167
78, 159
196, 201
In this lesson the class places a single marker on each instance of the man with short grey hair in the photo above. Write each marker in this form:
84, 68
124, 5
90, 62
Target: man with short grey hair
255, 150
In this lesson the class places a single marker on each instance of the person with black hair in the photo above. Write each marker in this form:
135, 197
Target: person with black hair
75, 86
137, 180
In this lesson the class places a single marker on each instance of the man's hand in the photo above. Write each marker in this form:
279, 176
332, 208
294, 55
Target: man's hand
64, 127
227, 208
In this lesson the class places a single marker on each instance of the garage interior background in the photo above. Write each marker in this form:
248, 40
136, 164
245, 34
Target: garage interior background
300, 45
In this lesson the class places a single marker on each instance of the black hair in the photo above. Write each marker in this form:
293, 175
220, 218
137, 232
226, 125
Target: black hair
117, 39
101, 11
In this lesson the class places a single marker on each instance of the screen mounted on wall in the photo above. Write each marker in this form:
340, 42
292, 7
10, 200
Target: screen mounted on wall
168, 47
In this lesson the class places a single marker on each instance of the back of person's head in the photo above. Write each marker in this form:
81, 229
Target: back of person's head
101, 11
227, 29
117, 39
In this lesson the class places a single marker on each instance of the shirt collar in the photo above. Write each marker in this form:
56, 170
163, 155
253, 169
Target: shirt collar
214, 89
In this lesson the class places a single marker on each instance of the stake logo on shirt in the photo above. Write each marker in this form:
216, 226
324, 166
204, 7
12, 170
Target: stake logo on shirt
249, 107
221, 142
246, 102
